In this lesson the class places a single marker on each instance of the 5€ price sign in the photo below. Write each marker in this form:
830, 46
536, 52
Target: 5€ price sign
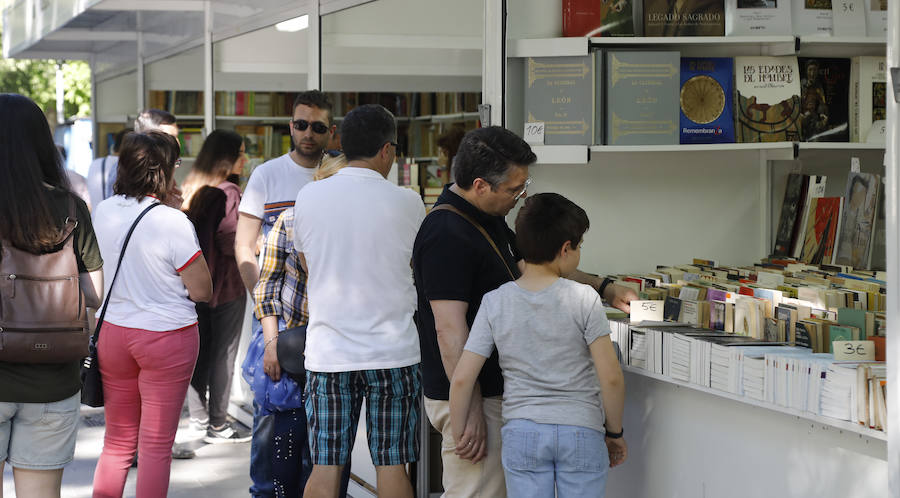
534, 132
853, 350
649, 311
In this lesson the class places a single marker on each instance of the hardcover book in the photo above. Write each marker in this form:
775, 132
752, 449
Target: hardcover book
821, 230
758, 17
855, 236
811, 17
793, 196
706, 100
867, 94
825, 99
768, 99
598, 17
684, 17
876, 18
559, 91
642, 97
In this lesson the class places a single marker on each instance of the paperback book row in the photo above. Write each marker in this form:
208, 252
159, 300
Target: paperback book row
846, 230
763, 371
633, 97
724, 17
776, 301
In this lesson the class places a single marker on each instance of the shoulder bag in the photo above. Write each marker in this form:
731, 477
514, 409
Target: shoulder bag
452, 209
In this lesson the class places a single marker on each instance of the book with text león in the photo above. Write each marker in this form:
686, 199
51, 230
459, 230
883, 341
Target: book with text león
559, 91
642, 97
768, 99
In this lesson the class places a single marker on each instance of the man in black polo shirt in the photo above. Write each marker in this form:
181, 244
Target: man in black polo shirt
454, 265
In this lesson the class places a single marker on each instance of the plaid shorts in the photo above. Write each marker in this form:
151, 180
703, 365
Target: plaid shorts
333, 403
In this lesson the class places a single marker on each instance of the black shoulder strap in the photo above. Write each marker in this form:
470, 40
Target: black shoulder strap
96, 336
103, 178
453, 209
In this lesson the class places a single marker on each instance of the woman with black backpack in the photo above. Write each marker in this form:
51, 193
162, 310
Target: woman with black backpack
47, 247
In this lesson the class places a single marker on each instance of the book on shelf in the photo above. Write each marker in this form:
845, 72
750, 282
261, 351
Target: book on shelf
825, 99
876, 18
191, 140
868, 76
707, 100
790, 207
183, 102
811, 17
758, 17
599, 17
815, 189
684, 17
768, 99
559, 91
857, 228
641, 97
820, 233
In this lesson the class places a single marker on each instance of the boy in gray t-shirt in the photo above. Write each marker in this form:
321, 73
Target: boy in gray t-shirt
552, 338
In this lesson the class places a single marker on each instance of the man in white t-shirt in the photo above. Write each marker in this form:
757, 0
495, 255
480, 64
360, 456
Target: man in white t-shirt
355, 232
272, 188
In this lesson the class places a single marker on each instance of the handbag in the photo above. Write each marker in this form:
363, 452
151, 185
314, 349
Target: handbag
91, 382
289, 349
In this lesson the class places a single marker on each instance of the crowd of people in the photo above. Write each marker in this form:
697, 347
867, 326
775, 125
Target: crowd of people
499, 331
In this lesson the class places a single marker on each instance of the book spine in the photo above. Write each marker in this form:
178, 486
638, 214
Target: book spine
854, 99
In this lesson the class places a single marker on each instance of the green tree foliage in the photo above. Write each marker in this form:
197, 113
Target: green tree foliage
36, 79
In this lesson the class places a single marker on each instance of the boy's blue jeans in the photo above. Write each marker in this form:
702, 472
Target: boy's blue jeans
537, 457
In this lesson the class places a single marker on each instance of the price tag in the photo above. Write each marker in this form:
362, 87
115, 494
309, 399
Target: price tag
646, 311
877, 132
534, 132
853, 350
849, 17
854, 165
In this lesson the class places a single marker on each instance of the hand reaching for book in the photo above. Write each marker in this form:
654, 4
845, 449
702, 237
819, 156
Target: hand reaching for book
620, 297
618, 451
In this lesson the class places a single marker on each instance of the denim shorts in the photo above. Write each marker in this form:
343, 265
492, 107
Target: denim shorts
538, 458
39, 436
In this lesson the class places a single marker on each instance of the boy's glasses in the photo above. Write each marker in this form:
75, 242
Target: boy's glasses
317, 126
524, 188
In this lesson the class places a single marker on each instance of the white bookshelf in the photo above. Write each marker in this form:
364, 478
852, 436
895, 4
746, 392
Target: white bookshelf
252, 118
839, 146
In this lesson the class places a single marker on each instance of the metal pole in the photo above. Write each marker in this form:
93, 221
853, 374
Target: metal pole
314, 47
141, 94
892, 213
60, 94
208, 95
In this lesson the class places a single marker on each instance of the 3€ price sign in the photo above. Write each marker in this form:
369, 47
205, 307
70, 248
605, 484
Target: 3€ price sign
534, 132
646, 311
848, 17
853, 350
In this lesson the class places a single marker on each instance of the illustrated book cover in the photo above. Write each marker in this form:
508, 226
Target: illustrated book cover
821, 230
790, 207
860, 204
707, 100
768, 99
598, 17
684, 17
825, 99
868, 75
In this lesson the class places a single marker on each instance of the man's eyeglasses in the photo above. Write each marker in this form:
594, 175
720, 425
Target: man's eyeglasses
317, 126
524, 188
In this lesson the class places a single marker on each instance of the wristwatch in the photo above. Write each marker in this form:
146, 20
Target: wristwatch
606, 282
615, 435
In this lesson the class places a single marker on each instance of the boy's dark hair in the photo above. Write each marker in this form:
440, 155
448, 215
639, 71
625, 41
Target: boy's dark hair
146, 164
488, 153
545, 223
151, 119
314, 98
365, 130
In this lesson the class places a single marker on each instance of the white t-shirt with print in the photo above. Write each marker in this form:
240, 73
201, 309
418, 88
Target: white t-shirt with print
149, 293
273, 187
356, 230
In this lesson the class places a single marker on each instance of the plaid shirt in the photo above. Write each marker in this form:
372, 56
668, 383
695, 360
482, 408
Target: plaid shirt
281, 289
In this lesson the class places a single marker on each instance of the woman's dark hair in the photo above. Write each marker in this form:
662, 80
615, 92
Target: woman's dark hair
450, 141
28, 162
489, 153
220, 151
545, 223
365, 130
146, 164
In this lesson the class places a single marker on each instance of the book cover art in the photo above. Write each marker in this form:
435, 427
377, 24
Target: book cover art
684, 18
757, 17
821, 230
598, 17
789, 209
672, 309
642, 97
811, 17
768, 99
559, 91
706, 100
868, 75
825, 99
803, 339
860, 204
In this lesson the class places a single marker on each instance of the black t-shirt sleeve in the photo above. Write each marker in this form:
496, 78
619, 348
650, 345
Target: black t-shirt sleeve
448, 265
87, 251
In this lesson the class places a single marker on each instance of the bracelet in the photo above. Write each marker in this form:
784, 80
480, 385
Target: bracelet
269, 342
615, 435
606, 282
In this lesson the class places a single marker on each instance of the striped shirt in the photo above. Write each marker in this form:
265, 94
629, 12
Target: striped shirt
281, 289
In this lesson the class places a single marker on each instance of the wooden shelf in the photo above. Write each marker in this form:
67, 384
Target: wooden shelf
843, 425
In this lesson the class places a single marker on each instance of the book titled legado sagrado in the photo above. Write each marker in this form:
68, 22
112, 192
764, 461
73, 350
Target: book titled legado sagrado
706, 100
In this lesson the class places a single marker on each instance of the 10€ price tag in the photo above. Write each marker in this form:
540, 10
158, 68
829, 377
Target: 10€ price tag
853, 350
534, 132
646, 311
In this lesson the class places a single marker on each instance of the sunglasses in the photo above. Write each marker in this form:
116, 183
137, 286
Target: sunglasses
317, 126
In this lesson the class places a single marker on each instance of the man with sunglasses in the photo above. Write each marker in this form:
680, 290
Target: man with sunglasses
272, 188
454, 266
